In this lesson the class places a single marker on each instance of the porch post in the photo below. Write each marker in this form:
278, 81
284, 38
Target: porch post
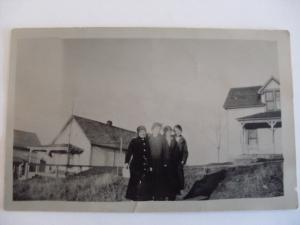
27, 166
272, 125
114, 162
273, 138
243, 138
46, 159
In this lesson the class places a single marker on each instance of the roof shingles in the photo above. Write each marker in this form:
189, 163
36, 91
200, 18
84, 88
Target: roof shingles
24, 139
243, 97
262, 116
105, 135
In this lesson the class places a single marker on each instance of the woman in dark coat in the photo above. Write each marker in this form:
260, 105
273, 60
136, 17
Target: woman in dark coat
172, 164
138, 159
183, 153
157, 147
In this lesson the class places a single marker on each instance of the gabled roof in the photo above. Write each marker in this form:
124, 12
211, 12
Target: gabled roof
262, 116
260, 91
105, 135
23, 139
243, 97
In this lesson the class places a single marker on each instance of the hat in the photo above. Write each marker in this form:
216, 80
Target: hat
167, 128
156, 124
139, 128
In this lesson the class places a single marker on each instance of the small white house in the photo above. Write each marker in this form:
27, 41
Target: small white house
253, 120
82, 143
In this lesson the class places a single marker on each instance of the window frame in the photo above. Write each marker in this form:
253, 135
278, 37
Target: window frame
277, 99
251, 138
275, 102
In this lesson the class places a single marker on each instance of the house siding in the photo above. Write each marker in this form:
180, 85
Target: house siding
271, 86
233, 138
77, 138
265, 143
102, 156
21, 154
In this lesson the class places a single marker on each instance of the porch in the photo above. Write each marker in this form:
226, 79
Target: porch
44, 162
261, 133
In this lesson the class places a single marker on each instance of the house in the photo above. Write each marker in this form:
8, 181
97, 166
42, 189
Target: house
21, 147
84, 142
253, 120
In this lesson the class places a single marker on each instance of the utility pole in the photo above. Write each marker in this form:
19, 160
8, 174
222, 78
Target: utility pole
121, 147
69, 138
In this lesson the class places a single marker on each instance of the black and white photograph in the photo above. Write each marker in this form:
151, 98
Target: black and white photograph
136, 117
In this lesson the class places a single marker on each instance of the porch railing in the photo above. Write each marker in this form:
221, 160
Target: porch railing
62, 170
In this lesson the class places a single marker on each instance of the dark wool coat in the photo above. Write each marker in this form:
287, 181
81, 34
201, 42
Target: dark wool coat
173, 162
158, 156
139, 158
183, 155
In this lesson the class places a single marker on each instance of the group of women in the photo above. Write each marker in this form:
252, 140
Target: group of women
156, 163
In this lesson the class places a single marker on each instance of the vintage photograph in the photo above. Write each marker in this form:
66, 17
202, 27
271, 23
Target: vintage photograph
147, 119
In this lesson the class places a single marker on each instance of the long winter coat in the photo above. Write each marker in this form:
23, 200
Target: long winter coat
158, 156
173, 165
183, 155
139, 159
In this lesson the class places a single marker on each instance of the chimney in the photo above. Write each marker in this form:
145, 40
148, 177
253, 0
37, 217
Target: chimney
109, 123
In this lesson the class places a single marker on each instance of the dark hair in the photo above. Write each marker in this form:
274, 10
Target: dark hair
139, 128
156, 124
166, 129
178, 127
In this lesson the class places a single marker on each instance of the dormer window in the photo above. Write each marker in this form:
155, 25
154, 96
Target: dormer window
272, 98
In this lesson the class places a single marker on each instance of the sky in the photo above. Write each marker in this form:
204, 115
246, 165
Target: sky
137, 82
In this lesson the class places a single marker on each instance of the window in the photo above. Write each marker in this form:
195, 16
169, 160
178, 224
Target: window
42, 166
252, 137
272, 100
277, 99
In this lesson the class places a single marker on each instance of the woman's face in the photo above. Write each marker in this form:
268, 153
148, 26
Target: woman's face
142, 133
169, 133
177, 131
156, 131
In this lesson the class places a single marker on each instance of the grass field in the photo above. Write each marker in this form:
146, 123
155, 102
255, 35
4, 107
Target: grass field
103, 187
262, 180
256, 181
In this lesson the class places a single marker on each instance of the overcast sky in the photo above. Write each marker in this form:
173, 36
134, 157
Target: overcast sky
134, 82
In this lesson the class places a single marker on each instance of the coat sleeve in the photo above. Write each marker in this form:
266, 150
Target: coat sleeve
185, 152
129, 152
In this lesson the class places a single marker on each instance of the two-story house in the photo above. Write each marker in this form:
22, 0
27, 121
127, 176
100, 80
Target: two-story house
253, 120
